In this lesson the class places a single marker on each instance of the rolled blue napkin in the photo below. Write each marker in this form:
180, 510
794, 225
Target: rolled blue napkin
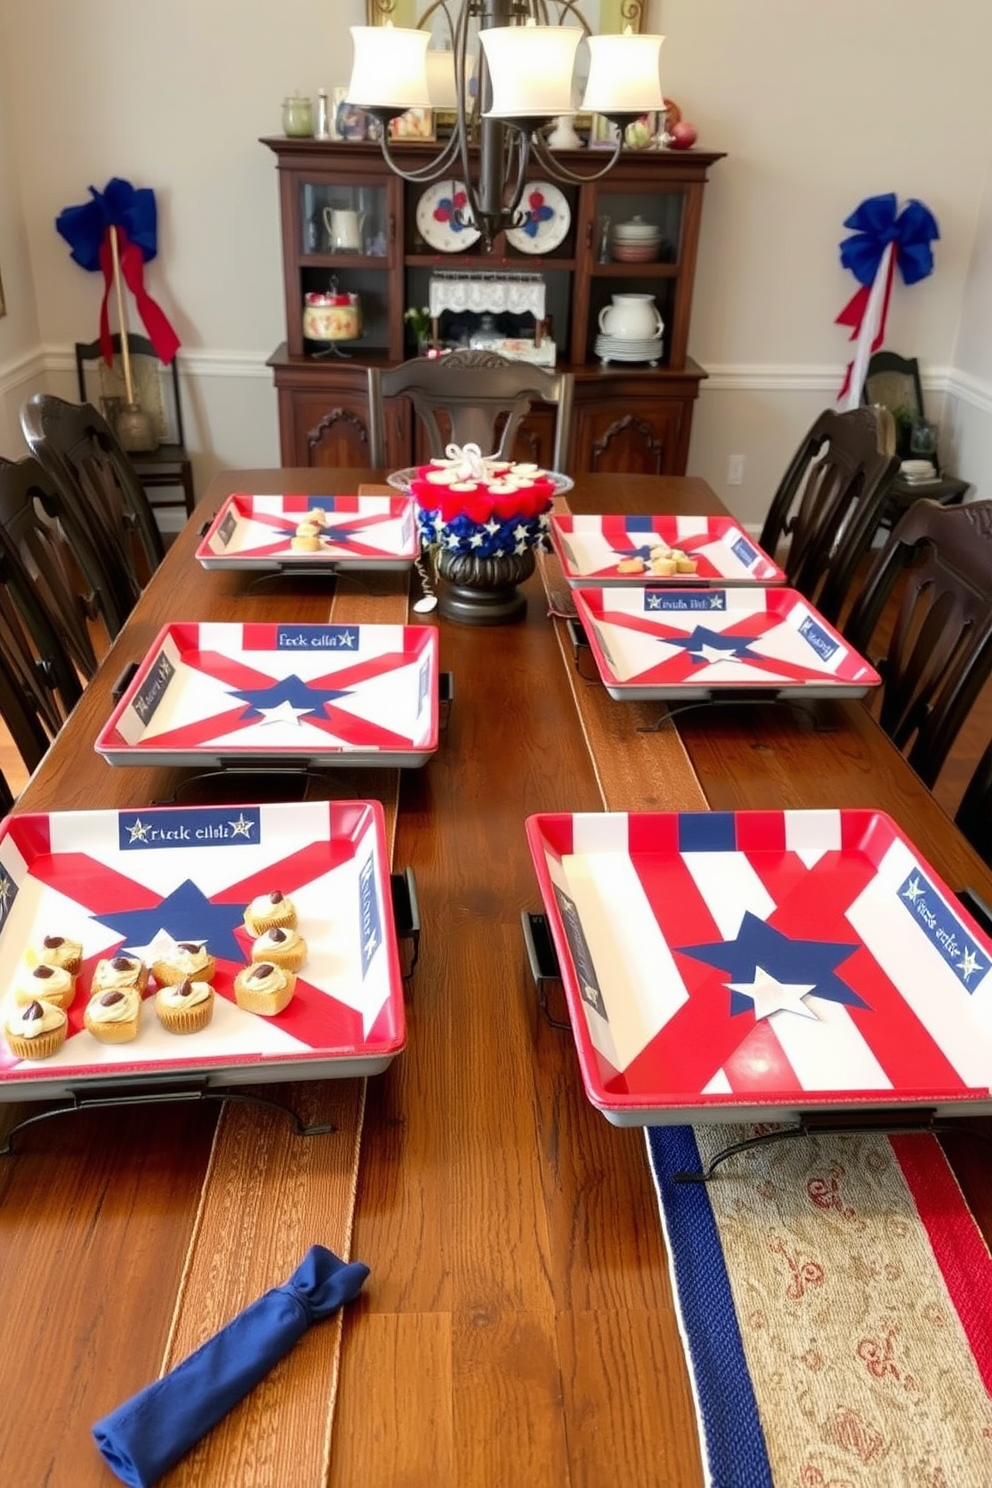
149, 1433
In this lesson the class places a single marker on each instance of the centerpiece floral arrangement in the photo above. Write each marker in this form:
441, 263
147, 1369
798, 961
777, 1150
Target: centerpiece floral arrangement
478, 506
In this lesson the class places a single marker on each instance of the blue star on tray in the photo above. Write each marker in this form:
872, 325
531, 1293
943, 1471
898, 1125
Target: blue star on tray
291, 695
705, 645
760, 954
187, 914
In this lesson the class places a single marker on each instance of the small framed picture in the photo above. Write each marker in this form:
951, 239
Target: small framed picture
602, 134
348, 121
415, 124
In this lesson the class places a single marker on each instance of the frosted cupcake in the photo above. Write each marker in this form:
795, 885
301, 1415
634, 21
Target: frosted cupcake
45, 984
36, 1031
112, 1017
264, 988
268, 910
285, 948
58, 950
190, 959
186, 1006
307, 538
120, 972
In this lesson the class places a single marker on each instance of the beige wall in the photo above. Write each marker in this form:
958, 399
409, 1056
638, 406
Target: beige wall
808, 100
819, 106
21, 368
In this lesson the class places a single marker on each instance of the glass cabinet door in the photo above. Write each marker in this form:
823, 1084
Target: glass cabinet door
344, 220
346, 252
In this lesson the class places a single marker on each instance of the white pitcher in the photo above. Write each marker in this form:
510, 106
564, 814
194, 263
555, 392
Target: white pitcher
344, 228
632, 317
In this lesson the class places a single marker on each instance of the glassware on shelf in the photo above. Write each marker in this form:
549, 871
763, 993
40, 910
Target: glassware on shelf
322, 123
297, 117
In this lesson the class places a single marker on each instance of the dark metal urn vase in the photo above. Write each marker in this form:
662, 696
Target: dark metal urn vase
483, 591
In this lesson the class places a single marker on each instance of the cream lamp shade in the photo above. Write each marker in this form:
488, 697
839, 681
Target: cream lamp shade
441, 78
389, 68
624, 75
530, 68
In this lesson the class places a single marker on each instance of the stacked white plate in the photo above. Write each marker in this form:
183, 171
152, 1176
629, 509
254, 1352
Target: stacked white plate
628, 349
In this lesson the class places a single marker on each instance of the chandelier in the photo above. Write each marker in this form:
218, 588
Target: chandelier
523, 81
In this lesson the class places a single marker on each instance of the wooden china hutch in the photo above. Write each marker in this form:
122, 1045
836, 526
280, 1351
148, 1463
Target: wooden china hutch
627, 417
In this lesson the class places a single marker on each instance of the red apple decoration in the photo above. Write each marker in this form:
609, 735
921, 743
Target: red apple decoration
683, 134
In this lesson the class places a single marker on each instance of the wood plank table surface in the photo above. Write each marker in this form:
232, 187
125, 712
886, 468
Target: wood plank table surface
518, 1323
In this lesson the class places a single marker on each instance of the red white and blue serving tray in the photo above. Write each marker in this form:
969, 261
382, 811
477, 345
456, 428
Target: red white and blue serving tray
358, 533
698, 643
589, 549
218, 694
758, 965
141, 880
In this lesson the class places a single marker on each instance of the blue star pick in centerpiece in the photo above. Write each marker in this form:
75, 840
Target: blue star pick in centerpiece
705, 645
290, 695
759, 948
187, 914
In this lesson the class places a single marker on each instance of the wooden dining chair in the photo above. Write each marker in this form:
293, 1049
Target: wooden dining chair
98, 489
472, 397
829, 503
28, 706
974, 812
936, 568
61, 578
6, 795
167, 467
33, 646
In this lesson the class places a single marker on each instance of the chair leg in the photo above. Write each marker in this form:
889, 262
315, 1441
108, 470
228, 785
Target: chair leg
188, 491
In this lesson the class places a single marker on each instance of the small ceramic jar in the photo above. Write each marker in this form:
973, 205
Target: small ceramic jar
297, 117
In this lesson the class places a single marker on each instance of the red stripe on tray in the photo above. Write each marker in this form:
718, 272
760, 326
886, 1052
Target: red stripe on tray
956, 1241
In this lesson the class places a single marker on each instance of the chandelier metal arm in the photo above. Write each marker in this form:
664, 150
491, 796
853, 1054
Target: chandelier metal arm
555, 167
432, 171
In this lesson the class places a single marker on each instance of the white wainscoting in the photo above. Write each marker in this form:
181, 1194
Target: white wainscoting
759, 411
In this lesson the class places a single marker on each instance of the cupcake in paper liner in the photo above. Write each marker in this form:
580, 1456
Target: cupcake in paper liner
36, 1031
58, 950
112, 1016
189, 958
186, 1006
45, 984
264, 988
268, 910
116, 973
283, 946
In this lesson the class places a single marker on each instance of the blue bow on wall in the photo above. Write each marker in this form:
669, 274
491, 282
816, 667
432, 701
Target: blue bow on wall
130, 211
879, 225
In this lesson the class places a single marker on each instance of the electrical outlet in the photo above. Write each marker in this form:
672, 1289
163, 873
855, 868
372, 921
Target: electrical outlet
735, 470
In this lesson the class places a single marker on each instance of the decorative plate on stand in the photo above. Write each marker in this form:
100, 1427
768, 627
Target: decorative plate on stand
437, 218
548, 218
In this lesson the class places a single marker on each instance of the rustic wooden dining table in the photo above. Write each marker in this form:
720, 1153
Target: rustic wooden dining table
518, 1321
